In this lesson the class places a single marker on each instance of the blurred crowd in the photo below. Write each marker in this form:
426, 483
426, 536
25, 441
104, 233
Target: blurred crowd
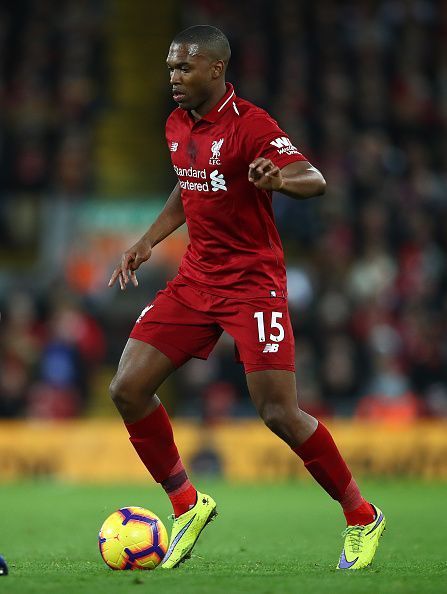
51, 85
51, 74
49, 354
361, 88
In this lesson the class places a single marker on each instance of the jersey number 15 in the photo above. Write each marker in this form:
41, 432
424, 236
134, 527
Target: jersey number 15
274, 324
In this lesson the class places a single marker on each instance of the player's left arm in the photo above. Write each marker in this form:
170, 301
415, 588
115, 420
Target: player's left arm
299, 179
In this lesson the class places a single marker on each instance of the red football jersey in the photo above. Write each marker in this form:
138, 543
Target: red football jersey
235, 249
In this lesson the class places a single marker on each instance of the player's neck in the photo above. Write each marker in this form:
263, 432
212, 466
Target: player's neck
208, 105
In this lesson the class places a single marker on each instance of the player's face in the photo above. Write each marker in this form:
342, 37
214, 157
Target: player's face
191, 76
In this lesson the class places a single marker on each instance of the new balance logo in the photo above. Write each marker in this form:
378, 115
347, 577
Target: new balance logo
271, 348
217, 181
283, 144
173, 146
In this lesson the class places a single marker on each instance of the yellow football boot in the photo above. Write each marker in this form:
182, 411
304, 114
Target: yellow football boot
186, 530
361, 543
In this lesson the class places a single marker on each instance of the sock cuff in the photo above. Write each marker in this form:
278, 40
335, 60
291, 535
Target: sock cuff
315, 445
148, 424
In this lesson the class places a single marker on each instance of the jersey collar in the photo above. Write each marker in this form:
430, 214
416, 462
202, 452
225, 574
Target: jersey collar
222, 106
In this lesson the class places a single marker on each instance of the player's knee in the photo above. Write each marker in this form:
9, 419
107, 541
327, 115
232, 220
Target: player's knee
123, 394
274, 416
285, 422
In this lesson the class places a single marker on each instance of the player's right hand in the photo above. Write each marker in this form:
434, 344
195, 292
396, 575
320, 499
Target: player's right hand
130, 261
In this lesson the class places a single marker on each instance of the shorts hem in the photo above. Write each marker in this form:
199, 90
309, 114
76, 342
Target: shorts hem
267, 366
177, 357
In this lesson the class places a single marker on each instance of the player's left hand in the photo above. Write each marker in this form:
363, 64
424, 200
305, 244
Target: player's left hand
264, 175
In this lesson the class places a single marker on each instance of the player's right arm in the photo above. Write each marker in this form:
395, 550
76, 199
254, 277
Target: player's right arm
171, 218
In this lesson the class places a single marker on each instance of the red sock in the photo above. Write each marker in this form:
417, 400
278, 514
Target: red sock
356, 509
153, 441
180, 491
325, 463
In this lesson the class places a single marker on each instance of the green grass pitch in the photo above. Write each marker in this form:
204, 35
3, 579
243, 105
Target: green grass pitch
267, 539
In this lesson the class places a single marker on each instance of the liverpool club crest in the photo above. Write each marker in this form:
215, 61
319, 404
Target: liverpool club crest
215, 151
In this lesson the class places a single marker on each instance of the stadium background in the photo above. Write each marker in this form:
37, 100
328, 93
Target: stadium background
361, 87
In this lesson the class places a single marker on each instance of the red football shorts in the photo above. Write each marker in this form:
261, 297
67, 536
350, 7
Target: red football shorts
183, 322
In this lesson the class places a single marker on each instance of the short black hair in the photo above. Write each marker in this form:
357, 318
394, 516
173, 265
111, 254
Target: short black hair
209, 38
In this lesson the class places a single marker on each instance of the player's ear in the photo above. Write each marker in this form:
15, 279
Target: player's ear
217, 68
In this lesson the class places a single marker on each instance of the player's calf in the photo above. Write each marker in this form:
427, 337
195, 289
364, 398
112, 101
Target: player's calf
273, 392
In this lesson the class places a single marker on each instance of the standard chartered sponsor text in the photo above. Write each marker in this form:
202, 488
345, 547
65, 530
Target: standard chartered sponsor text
217, 180
195, 173
195, 186
190, 172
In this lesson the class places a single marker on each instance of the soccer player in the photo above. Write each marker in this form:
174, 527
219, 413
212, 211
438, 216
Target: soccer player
229, 156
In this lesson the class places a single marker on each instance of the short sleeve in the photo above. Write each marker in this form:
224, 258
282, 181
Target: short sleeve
264, 138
